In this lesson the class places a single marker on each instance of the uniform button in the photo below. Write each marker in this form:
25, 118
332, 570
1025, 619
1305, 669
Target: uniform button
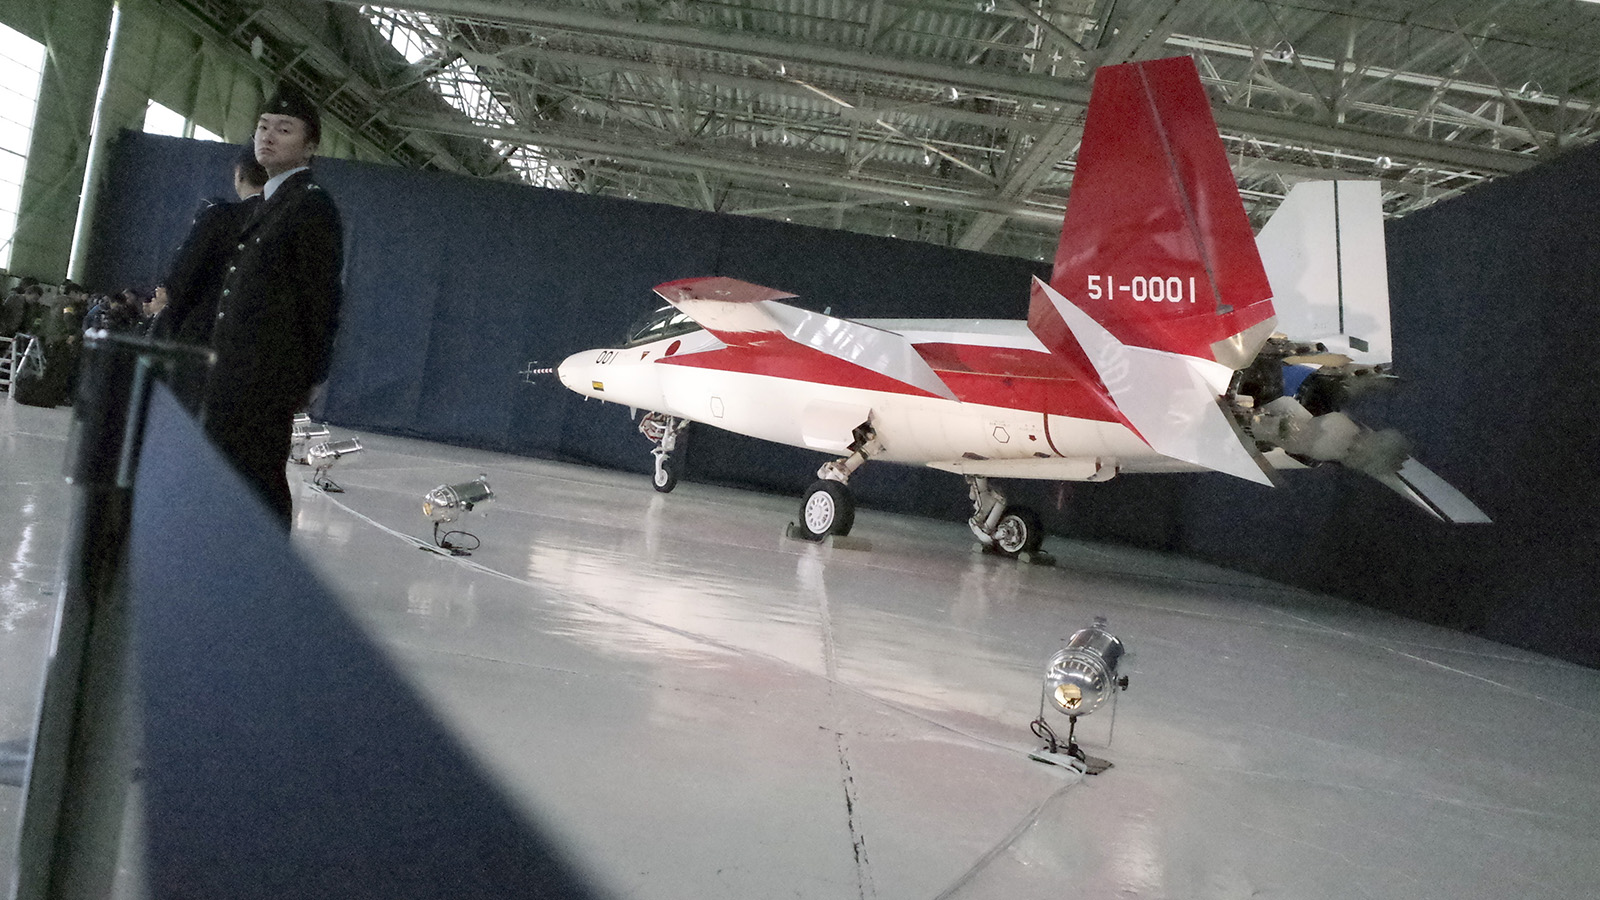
240, 247
233, 268
226, 292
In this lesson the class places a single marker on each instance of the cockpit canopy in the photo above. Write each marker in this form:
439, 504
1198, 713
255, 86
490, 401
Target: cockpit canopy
658, 324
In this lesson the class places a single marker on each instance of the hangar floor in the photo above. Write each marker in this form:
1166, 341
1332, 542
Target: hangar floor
698, 706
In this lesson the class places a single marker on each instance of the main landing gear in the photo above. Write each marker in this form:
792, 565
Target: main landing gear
663, 431
828, 507
1001, 528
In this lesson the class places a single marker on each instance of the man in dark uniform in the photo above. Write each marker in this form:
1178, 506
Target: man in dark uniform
15, 311
58, 328
194, 282
35, 309
278, 306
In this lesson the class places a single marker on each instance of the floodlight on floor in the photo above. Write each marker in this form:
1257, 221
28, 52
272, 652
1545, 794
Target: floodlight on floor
322, 457
449, 502
1078, 680
303, 434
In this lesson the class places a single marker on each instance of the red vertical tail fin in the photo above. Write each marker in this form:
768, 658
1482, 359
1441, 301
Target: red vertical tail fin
1156, 246
1158, 295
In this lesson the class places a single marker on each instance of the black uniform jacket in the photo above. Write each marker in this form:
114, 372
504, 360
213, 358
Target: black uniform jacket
14, 313
279, 304
195, 280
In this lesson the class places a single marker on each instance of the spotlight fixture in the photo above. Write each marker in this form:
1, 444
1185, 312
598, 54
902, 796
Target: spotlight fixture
302, 435
321, 457
1078, 680
449, 502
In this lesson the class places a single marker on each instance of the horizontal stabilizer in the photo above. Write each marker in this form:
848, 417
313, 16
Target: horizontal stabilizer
1171, 400
1421, 486
1325, 255
742, 314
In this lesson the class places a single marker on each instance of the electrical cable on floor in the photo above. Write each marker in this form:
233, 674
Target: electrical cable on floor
443, 541
1042, 729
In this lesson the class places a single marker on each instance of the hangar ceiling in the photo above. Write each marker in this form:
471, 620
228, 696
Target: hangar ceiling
949, 121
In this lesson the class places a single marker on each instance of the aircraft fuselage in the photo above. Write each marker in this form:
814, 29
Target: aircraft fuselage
1016, 412
1153, 346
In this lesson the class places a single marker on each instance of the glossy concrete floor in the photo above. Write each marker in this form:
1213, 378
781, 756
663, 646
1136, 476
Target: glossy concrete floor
699, 707
33, 527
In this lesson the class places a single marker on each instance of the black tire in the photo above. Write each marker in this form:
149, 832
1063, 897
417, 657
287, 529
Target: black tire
1018, 532
665, 477
827, 507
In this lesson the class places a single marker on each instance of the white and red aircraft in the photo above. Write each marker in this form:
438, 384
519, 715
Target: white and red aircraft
1167, 340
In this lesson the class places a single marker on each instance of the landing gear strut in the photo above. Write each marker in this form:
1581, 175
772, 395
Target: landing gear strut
663, 431
828, 507
1001, 528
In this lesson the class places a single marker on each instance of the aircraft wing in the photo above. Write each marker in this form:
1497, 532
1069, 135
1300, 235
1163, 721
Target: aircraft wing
750, 318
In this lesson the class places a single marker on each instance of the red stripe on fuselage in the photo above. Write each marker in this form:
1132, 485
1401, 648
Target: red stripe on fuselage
779, 357
1014, 378
1006, 377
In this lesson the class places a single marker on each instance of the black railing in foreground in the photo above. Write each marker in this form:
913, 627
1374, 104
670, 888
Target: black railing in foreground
202, 664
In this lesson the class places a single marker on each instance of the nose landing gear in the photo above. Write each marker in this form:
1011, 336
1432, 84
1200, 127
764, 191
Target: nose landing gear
663, 431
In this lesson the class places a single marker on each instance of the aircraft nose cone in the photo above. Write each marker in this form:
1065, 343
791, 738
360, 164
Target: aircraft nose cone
571, 371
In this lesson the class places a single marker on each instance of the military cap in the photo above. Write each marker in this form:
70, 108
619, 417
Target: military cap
289, 101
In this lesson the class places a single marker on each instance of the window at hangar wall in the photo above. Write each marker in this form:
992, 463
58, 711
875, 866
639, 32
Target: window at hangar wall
159, 119
21, 64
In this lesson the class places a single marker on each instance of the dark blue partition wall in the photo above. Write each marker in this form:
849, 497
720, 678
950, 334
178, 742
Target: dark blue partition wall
1503, 307
455, 284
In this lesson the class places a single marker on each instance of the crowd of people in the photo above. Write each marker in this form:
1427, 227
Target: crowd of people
57, 316
40, 310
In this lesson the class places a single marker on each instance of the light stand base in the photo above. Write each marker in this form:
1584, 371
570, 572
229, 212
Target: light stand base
1092, 765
